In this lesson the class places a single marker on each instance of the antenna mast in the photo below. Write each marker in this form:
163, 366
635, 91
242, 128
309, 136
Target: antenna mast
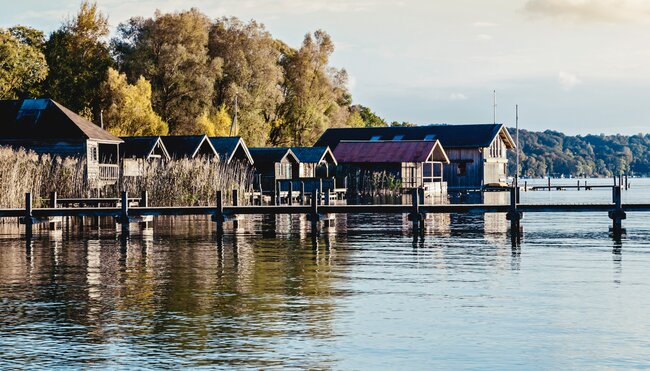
494, 107
517, 144
233, 126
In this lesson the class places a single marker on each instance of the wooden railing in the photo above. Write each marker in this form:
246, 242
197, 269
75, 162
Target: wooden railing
109, 172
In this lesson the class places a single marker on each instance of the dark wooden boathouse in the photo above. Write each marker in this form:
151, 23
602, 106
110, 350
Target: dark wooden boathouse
189, 146
273, 165
136, 151
46, 127
477, 152
232, 149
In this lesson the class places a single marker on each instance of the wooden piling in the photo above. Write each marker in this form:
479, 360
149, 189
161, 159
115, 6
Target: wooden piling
290, 197
124, 215
514, 215
218, 217
302, 192
314, 218
618, 214
235, 202
28, 219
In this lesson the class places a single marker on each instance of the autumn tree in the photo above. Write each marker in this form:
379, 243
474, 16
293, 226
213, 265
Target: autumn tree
251, 71
216, 123
22, 63
78, 58
170, 50
128, 110
316, 97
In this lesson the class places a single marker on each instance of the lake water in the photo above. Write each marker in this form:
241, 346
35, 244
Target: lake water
362, 297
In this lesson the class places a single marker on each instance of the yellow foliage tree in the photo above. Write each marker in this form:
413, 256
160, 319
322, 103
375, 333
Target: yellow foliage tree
128, 109
216, 124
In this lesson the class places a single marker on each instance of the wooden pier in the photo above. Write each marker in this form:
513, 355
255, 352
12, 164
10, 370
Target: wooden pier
319, 211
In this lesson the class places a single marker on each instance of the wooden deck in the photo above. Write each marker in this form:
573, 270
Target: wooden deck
125, 213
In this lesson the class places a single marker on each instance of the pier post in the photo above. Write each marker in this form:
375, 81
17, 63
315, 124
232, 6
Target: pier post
235, 202
415, 217
28, 219
290, 198
578, 184
218, 216
302, 192
514, 215
618, 214
549, 183
313, 216
54, 222
627, 185
144, 222
525, 186
124, 215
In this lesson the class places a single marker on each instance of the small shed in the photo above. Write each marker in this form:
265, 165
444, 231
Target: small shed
272, 165
315, 162
189, 146
136, 151
414, 163
47, 127
232, 149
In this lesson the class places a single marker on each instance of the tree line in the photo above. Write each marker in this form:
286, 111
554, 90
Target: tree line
181, 73
551, 153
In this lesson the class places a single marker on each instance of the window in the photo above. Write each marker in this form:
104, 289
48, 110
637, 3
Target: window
376, 137
430, 137
93, 154
398, 137
462, 169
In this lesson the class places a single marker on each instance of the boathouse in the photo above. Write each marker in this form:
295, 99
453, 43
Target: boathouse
315, 162
273, 165
477, 152
46, 127
189, 146
137, 151
413, 164
232, 149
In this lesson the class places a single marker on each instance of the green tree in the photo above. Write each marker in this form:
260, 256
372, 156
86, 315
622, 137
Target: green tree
316, 97
170, 50
22, 63
370, 118
78, 58
251, 72
128, 110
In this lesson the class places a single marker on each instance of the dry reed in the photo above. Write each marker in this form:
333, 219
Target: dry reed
184, 182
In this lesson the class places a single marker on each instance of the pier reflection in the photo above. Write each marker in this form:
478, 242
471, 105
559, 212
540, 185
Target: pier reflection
193, 294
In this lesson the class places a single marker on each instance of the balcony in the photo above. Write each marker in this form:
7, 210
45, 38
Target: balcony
109, 172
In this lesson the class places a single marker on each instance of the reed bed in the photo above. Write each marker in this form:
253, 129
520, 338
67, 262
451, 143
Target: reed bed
190, 182
371, 184
24, 171
184, 182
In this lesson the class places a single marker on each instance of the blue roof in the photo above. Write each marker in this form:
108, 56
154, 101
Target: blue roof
311, 154
450, 136
227, 146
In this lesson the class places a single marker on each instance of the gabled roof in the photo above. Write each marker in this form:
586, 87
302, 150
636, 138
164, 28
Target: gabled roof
142, 147
450, 136
42, 119
226, 147
390, 152
179, 146
265, 158
313, 155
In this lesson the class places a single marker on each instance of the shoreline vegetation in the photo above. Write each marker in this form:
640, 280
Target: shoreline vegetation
183, 182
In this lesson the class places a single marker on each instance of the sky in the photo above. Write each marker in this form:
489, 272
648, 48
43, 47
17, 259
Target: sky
576, 66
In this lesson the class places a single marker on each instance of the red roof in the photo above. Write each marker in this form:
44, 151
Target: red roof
389, 151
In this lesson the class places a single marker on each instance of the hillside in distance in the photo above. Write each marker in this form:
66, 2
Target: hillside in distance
556, 154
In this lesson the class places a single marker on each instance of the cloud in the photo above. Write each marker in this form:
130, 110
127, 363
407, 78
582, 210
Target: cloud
484, 37
457, 96
607, 11
568, 80
484, 24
